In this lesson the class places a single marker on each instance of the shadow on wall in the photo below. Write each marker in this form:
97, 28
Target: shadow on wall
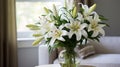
110, 9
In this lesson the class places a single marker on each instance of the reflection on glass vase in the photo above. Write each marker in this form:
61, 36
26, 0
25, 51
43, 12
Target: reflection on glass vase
68, 58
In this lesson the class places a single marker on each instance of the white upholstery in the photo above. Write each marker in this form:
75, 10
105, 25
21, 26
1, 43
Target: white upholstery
100, 58
112, 44
103, 58
43, 55
108, 52
107, 45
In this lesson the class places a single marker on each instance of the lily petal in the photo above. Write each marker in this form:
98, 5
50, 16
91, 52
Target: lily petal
67, 25
80, 17
83, 26
95, 33
61, 38
78, 36
102, 25
64, 32
96, 17
84, 33
89, 28
61, 27
52, 41
102, 32
70, 34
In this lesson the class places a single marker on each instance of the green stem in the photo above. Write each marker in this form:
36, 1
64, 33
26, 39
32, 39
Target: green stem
69, 58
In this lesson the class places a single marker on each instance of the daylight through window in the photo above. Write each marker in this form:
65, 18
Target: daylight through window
29, 12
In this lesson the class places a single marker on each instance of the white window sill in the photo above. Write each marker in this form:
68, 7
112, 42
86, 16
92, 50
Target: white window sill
25, 42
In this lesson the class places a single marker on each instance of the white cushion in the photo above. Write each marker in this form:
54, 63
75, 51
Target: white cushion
111, 44
100, 58
107, 45
43, 55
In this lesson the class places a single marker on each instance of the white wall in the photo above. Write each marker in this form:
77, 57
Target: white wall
27, 54
111, 10
28, 57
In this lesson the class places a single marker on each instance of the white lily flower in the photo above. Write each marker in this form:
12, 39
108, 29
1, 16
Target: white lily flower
66, 15
80, 17
95, 26
68, 21
76, 28
63, 14
57, 34
49, 17
48, 27
87, 11
45, 25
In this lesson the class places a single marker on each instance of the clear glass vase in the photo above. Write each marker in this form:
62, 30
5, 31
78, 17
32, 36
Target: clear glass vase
68, 58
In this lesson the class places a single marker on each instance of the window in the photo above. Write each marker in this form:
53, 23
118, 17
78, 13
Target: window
28, 11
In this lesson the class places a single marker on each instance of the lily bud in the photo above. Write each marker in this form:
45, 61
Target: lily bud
36, 42
33, 27
37, 35
46, 10
65, 4
74, 12
55, 10
92, 8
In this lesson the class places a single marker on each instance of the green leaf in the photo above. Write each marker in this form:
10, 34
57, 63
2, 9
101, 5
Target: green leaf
36, 42
105, 24
55, 18
97, 39
81, 10
64, 21
102, 17
50, 48
90, 33
60, 44
86, 21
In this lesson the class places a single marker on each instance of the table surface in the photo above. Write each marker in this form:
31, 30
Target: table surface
88, 65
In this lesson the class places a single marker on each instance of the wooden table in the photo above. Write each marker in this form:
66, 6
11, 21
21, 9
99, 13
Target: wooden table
89, 65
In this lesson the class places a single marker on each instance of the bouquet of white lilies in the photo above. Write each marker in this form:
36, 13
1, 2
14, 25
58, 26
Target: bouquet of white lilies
68, 26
